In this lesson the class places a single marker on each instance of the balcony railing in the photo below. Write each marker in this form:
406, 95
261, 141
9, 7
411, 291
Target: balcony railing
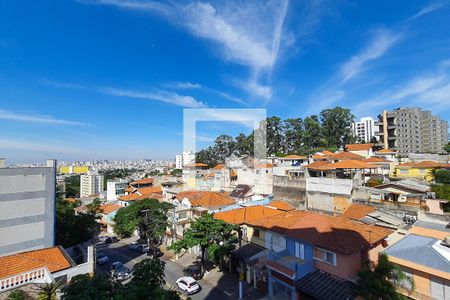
289, 265
40, 275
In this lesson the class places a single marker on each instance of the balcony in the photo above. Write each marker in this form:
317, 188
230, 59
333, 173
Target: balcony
289, 265
41, 275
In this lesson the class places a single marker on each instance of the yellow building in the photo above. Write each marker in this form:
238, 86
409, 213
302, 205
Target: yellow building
73, 169
421, 170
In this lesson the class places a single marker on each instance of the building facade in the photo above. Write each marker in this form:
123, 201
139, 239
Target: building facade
364, 129
27, 208
412, 130
91, 184
187, 157
115, 189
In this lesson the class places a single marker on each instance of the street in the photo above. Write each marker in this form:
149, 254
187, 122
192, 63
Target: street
119, 251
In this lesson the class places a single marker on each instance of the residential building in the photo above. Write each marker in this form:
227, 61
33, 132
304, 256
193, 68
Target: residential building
407, 130
144, 182
424, 256
366, 150
364, 129
193, 174
188, 157
27, 208
108, 212
152, 192
91, 184
421, 170
115, 189
298, 242
26, 270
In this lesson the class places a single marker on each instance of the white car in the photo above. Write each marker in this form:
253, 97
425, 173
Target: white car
188, 285
138, 247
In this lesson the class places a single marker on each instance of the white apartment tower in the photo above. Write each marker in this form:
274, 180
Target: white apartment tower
115, 189
187, 157
91, 184
364, 129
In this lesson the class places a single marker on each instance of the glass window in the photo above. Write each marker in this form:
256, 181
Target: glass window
256, 233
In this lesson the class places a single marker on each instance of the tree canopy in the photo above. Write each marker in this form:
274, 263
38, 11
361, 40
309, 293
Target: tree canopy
148, 216
208, 233
330, 130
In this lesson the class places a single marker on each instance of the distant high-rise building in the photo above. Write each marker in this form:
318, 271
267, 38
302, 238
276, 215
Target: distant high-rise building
187, 157
91, 184
27, 208
412, 130
364, 129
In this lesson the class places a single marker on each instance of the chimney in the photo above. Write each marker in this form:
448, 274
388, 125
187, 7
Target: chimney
2, 162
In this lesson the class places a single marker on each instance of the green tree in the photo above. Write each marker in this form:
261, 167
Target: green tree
274, 133
48, 291
134, 216
441, 176
224, 146
381, 281
447, 147
72, 186
207, 232
73, 229
176, 172
244, 144
148, 275
18, 295
207, 156
336, 126
85, 287
292, 131
312, 135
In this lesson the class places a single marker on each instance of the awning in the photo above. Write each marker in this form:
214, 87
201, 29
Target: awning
246, 252
324, 286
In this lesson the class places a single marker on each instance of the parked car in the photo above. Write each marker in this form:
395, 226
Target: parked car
194, 272
120, 272
138, 247
154, 252
134, 245
111, 239
188, 285
101, 239
102, 259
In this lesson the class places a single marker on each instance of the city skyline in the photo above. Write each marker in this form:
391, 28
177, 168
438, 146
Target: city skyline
110, 79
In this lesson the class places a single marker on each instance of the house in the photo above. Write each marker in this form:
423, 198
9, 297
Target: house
193, 172
421, 170
409, 191
366, 150
298, 243
139, 194
140, 183
424, 256
286, 163
25, 269
387, 154
383, 164
108, 212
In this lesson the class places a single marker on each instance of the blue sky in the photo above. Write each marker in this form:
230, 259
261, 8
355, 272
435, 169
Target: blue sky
109, 79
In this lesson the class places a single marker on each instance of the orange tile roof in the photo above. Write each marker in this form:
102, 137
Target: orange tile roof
344, 155
196, 165
143, 181
142, 193
219, 167
281, 205
353, 164
339, 234
326, 152
358, 211
70, 200
358, 147
206, 199
241, 215
317, 165
52, 258
129, 189
109, 208
427, 164
294, 156
386, 151
375, 159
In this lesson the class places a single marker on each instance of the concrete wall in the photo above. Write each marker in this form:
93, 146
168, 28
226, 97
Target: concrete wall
27, 209
347, 266
289, 189
329, 185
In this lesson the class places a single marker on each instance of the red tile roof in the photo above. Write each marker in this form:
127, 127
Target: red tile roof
142, 193
375, 159
143, 181
52, 258
359, 147
344, 164
240, 215
428, 164
196, 165
293, 157
338, 234
358, 211
210, 200
281, 205
317, 165
109, 208
344, 155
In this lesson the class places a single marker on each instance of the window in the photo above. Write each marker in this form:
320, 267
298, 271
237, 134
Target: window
278, 243
325, 256
256, 233
300, 250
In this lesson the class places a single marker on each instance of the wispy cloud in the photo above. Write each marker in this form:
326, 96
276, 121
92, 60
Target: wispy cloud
184, 85
382, 41
157, 95
429, 9
246, 33
427, 90
59, 84
13, 116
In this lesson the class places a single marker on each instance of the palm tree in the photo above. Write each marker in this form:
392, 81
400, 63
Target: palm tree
48, 290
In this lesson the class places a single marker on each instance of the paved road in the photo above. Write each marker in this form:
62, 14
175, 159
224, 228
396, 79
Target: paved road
120, 252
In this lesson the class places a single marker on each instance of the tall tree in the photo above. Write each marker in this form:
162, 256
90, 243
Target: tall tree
312, 135
244, 144
224, 146
207, 156
274, 135
336, 126
206, 232
292, 132
380, 281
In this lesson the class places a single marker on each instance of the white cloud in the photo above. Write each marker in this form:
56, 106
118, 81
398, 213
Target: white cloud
255, 88
429, 9
382, 41
13, 116
158, 95
247, 33
184, 85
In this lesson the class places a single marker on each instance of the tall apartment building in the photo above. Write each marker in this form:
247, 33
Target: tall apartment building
186, 158
412, 130
27, 208
115, 189
364, 129
91, 184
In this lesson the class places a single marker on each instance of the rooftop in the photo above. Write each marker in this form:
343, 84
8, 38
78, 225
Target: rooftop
109, 208
359, 147
143, 181
324, 286
210, 200
345, 155
241, 215
281, 205
358, 211
52, 258
141, 193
